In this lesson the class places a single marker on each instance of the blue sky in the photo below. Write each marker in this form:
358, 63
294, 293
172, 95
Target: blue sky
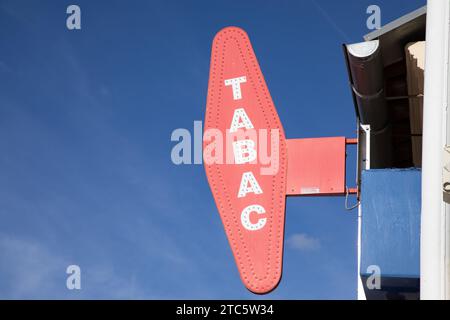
85, 123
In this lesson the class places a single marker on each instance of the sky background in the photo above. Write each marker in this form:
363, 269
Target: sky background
86, 117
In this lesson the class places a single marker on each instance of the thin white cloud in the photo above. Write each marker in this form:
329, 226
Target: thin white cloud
29, 270
303, 242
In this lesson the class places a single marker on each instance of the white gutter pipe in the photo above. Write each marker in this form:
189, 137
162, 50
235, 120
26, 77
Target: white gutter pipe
432, 241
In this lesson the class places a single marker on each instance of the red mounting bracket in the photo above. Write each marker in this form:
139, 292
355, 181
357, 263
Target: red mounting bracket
316, 166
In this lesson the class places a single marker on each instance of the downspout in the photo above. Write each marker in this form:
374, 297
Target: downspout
366, 74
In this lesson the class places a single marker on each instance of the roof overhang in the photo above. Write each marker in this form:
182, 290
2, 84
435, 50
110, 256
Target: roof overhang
377, 74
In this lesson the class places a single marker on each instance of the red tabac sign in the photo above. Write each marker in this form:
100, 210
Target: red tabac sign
250, 165
245, 159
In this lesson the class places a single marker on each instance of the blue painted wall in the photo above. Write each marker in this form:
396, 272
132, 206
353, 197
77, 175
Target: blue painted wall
390, 200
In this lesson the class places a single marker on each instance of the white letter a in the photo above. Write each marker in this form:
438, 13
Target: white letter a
245, 188
240, 120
